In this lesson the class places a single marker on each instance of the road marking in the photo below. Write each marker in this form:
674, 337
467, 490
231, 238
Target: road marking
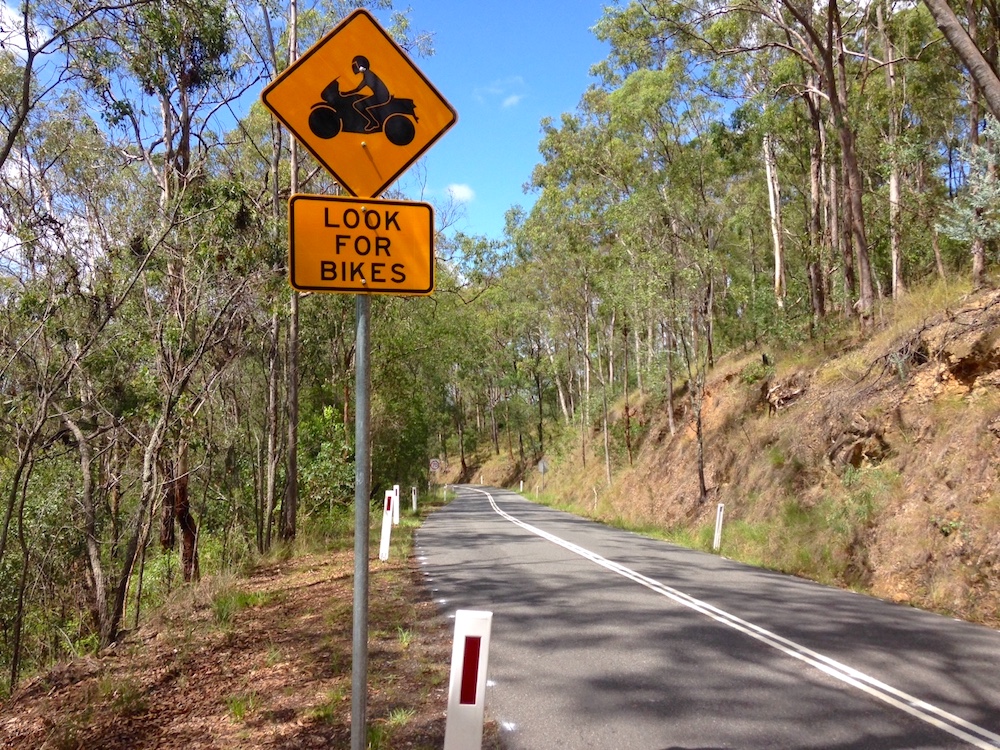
954, 725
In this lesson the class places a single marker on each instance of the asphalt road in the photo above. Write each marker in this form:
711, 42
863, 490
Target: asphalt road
604, 639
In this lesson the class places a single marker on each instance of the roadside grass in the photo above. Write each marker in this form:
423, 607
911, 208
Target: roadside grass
824, 541
242, 705
264, 660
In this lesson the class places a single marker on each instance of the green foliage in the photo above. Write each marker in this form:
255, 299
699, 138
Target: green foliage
405, 637
242, 705
184, 42
329, 709
975, 214
327, 470
755, 372
227, 603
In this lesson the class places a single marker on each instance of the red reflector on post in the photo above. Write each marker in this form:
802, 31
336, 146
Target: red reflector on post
470, 670
470, 652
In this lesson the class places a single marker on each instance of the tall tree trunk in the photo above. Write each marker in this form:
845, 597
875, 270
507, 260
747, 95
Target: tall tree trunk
604, 411
147, 524
146, 492
968, 51
936, 245
15, 649
670, 381
700, 435
895, 210
290, 509
774, 206
696, 394
586, 372
182, 512
817, 156
638, 354
460, 429
854, 186
494, 427
709, 318
541, 411
560, 391
628, 415
91, 542
978, 244
510, 436
815, 266
271, 458
840, 237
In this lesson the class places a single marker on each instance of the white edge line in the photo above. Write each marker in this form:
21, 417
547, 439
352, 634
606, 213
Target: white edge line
907, 703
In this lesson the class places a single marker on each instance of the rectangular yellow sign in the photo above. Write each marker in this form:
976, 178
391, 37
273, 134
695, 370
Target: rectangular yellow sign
352, 246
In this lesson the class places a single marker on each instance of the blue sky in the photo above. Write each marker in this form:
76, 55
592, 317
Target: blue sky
504, 65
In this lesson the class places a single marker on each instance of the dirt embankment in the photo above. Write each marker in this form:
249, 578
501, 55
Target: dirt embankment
257, 663
872, 463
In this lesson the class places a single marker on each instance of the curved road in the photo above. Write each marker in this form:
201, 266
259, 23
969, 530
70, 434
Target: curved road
604, 639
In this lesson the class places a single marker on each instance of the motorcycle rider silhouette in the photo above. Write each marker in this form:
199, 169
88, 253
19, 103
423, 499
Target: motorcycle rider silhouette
380, 93
353, 112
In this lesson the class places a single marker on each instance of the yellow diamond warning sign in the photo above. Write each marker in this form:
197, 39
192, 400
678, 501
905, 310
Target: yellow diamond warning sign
361, 246
360, 105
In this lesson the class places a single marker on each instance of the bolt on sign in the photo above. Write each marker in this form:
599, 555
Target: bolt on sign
348, 245
357, 102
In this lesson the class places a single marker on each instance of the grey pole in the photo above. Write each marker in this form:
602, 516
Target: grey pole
362, 490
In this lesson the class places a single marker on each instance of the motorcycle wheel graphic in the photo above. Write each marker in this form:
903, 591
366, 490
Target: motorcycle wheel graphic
324, 122
398, 129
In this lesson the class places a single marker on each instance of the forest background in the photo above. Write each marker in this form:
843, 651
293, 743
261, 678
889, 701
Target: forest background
746, 177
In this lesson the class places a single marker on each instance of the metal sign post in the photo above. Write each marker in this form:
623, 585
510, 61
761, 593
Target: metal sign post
362, 489
366, 138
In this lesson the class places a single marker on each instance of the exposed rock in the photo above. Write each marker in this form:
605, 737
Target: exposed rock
861, 443
784, 392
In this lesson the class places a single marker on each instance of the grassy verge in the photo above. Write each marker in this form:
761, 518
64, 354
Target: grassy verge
262, 660
824, 541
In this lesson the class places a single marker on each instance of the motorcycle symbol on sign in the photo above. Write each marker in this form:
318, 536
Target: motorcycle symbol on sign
360, 111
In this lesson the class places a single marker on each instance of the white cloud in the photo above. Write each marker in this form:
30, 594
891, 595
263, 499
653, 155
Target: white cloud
12, 31
507, 91
461, 193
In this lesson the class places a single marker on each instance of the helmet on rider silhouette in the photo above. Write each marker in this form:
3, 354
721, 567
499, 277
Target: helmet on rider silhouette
359, 63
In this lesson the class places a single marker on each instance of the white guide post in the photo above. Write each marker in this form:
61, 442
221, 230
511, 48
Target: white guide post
467, 688
413, 498
717, 542
383, 548
395, 505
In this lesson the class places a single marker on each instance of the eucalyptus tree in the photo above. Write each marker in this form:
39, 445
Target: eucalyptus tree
36, 39
816, 37
71, 272
178, 56
973, 216
962, 40
569, 240
916, 118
